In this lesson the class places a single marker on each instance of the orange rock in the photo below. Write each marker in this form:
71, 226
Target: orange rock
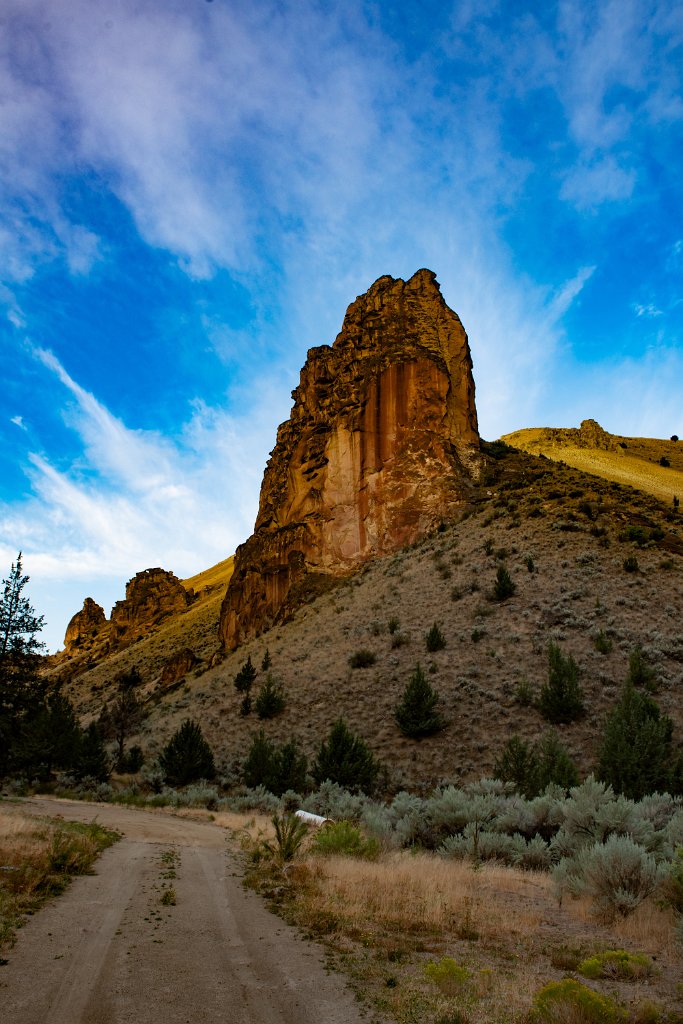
151, 596
381, 446
85, 625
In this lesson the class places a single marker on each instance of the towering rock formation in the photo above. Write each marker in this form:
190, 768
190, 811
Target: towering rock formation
381, 446
151, 596
85, 625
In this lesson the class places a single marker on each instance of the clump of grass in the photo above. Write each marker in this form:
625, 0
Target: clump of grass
168, 898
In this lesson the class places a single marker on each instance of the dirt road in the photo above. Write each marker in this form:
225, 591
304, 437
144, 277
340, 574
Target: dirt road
110, 951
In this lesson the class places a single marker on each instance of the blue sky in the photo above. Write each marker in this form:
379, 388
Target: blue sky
192, 191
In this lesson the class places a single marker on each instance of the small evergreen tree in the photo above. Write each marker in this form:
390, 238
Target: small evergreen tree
245, 677
635, 754
561, 698
346, 759
122, 717
554, 763
22, 695
267, 662
639, 672
49, 738
187, 756
416, 714
434, 639
91, 760
245, 706
270, 700
503, 588
276, 768
518, 764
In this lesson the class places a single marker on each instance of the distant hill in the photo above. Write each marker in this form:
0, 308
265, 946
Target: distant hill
639, 462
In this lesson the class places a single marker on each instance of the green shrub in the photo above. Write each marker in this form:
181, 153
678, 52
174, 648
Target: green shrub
640, 673
270, 700
416, 714
602, 643
631, 564
518, 765
617, 964
393, 625
434, 639
503, 588
343, 838
672, 886
561, 698
616, 875
362, 659
448, 975
570, 1002
187, 756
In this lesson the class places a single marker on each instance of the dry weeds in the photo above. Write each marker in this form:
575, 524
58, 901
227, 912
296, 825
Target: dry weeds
503, 929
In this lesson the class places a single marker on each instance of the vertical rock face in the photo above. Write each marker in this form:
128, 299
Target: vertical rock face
85, 625
151, 596
381, 445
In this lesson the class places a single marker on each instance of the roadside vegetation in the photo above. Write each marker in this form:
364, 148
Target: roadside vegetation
38, 857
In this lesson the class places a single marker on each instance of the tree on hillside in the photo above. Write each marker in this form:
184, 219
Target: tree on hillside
635, 754
270, 700
561, 698
21, 694
554, 763
345, 758
416, 714
119, 719
276, 768
187, 756
245, 677
518, 764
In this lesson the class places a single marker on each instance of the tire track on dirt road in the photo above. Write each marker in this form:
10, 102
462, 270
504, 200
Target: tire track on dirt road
109, 951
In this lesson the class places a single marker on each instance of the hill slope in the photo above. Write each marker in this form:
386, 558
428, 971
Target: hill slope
573, 530
633, 461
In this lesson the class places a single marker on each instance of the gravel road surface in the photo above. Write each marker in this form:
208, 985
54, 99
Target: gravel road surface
109, 951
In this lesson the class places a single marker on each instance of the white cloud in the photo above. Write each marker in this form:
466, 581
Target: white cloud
647, 311
18, 421
135, 499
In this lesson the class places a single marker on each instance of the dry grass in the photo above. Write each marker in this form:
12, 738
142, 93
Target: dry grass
37, 858
501, 931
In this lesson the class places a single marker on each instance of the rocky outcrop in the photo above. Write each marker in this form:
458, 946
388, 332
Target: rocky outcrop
381, 446
151, 596
86, 626
177, 666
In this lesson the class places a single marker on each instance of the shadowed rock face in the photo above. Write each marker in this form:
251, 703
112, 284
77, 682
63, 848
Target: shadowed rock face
85, 625
381, 446
151, 596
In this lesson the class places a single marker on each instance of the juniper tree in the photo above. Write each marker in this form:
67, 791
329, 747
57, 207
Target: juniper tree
345, 758
635, 754
187, 756
554, 763
561, 698
434, 639
276, 768
504, 586
416, 714
245, 677
21, 694
270, 700
518, 764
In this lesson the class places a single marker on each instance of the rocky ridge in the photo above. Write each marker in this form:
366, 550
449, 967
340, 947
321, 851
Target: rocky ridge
152, 596
381, 446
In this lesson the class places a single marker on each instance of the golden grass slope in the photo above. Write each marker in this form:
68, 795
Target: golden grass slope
633, 461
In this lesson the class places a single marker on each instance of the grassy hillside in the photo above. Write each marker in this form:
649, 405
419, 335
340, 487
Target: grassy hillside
564, 537
633, 461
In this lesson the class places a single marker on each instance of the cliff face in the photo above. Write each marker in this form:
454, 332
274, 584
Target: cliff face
381, 446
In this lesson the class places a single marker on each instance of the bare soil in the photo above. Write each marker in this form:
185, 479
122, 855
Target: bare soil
117, 948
